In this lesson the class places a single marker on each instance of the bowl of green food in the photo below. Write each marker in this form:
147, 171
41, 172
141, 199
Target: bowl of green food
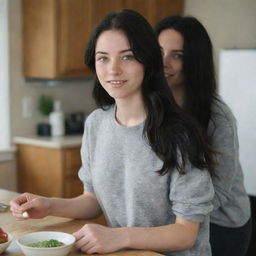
46, 243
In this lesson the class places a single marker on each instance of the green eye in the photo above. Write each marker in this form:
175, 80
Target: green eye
178, 56
102, 59
128, 57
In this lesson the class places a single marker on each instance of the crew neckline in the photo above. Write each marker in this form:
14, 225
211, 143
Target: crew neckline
117, 124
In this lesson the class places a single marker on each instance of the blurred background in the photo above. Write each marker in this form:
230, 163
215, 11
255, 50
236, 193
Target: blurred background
41, 54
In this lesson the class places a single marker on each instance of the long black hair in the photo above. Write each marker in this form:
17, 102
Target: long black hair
198, 66
171, 135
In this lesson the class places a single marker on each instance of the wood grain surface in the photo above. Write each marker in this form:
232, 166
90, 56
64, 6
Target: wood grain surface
18, 228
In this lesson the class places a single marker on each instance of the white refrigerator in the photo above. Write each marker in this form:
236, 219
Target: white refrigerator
237, 87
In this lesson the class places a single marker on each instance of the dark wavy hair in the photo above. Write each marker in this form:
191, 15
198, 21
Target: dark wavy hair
171, 135
198, 66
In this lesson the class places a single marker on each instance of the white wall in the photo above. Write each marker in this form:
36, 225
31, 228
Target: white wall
230, 23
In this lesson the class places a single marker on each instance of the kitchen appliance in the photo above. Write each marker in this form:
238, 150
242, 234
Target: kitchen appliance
74, 123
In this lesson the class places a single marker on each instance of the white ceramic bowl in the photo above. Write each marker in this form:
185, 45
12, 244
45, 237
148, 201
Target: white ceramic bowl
35, 237
4, 246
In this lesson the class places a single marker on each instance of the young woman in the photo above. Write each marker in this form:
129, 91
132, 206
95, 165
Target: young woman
189, 71
145, 166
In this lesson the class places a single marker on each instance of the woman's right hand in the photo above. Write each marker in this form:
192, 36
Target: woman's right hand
36, 206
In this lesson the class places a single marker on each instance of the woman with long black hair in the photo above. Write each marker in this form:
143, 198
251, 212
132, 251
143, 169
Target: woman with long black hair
144, 164
189, 71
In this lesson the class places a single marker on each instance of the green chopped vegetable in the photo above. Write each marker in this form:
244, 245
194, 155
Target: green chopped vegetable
47, 244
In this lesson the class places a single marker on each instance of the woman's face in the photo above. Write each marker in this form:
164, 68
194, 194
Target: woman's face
118, 71
171, 43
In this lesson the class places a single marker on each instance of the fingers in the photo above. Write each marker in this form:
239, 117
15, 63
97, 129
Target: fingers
89, 249
83, 242
18, 201
86, 245
89, 239
15, 205
19, 209
16, 210
78, 234
20, 216
20, 205
28, 206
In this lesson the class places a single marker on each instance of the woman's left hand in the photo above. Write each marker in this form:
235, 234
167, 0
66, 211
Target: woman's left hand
95, 238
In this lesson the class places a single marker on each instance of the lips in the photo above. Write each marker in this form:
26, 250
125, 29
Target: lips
116, 83
167, 74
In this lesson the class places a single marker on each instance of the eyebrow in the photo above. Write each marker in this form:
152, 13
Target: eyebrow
177, 50
123, 51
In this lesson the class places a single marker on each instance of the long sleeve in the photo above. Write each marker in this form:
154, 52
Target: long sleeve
231, 203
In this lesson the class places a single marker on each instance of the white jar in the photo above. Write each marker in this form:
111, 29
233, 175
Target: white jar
56, 120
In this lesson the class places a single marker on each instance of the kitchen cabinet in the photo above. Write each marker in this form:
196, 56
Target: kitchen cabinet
49, 166
49, 171
55, 32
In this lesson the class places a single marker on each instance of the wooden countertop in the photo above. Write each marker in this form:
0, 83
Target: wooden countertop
50, 142
17, 228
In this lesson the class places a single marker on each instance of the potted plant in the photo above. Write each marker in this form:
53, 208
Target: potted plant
45, 107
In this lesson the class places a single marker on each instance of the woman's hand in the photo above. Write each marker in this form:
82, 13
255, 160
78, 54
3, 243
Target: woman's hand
95, 238
36, 206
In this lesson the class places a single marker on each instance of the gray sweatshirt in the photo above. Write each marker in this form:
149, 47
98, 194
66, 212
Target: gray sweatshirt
231, 203
119, 166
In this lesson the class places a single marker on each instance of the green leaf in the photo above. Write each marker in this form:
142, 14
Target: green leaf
45, 105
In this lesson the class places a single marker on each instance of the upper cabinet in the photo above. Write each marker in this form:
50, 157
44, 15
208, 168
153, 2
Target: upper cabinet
55, 32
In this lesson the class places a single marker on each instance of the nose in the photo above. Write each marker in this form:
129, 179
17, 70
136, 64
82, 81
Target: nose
115, 67
166, 61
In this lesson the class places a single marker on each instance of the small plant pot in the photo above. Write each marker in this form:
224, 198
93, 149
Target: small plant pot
43, 129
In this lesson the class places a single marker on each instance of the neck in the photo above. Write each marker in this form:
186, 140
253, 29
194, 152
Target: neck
130, 113
178, 94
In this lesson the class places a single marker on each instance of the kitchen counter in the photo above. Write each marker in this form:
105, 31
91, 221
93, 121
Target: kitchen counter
17, 228
50, 142
56, 157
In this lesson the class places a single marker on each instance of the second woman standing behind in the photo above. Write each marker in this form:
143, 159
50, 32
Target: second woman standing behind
189, 71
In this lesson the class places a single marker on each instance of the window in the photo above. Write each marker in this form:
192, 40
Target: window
4, 78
